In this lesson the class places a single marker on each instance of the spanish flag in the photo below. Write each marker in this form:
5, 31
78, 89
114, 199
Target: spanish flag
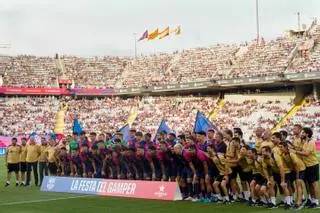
153, 35
177, 31
164, 33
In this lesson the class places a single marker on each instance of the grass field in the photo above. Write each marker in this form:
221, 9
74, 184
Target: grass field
31, 200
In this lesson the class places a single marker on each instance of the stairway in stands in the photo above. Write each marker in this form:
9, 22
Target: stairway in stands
60, 66
289, 115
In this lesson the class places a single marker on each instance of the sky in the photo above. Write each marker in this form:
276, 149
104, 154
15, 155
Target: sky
107, 27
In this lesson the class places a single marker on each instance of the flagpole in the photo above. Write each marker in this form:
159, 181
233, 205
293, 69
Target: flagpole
257, 20
135, 45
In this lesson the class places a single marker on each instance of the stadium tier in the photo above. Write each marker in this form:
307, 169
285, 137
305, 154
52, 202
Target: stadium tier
292, 60
293, 53
24, 115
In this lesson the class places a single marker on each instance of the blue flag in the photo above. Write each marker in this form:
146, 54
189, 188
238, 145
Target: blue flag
36, 136
52, 135
203, 124
77, 126
125, 130
163, 127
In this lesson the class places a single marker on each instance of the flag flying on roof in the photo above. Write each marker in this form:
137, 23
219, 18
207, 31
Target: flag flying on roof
77, 126
164, 33
203, 124
177, 30
153, 35
144, 36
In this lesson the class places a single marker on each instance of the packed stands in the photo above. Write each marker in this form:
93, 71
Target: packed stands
263, 58
307, 56
250, 111
179, 112
97, 72
308, 115
29, 71
98, 114
286, 54
203, 63
20, 115
147, 70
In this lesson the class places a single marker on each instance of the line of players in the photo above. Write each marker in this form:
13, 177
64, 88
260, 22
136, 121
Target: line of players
206, 165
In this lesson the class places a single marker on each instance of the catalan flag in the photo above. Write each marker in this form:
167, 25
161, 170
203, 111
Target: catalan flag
144, 36
164, 33
177, 30
153, 35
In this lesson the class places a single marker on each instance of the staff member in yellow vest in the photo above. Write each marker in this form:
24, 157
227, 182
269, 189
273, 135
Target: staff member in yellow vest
52, 157
33, 153
43, 168
23, 163
12, 161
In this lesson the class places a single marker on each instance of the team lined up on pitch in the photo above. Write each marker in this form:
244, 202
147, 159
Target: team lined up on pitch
206, 165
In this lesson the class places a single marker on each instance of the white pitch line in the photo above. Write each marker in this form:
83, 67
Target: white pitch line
44, 200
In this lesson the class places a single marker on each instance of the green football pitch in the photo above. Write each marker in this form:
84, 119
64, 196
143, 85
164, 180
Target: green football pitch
32, 200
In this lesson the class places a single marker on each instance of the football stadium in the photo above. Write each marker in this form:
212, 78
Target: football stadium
167, 115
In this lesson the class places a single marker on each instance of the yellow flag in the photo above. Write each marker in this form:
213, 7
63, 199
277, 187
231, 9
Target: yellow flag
153, 35
164, 33
177, 31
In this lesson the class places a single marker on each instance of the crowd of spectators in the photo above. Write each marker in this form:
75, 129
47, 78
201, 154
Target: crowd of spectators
286, 54
263, 58
308, 115
179, 112
96, 72
28, 71
250, 113
24, 115
98, 114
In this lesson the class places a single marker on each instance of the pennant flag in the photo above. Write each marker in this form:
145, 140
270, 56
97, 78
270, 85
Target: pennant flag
59, 136
163, 127
164, 33
37, 137
144, 36
202, 123
52, 135
153, 35
177, 31
77, 126
125, 130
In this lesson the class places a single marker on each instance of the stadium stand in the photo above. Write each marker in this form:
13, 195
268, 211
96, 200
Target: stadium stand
23, 115
286, 54
85, 70
179, 112
308, 115
249, 111
100, 114
29, 71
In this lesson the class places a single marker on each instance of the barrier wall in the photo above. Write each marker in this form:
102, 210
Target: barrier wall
116, 188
